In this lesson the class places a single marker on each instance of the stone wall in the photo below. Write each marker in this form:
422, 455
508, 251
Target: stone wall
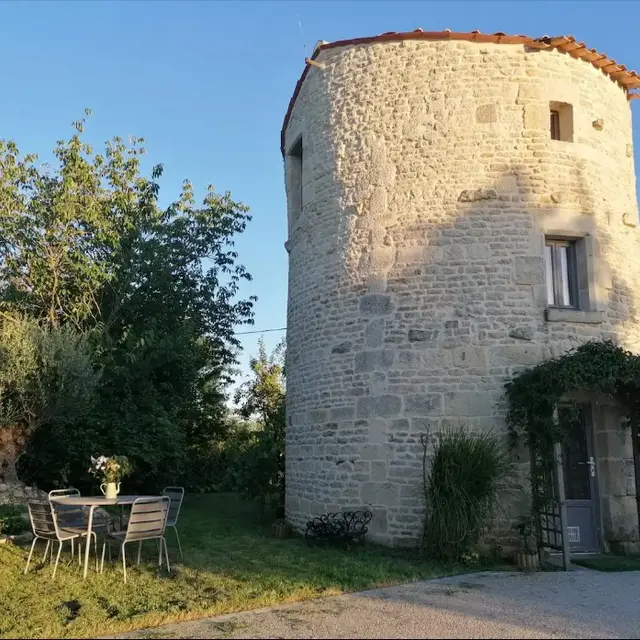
19, 493
616, 478
416, 273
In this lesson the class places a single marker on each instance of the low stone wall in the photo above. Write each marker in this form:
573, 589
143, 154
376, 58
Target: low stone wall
19, 493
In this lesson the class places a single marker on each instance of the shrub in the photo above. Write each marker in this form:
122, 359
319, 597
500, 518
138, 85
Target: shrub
12, 521
468, 477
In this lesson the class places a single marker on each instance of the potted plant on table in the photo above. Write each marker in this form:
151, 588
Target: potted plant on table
527, 558
111, 471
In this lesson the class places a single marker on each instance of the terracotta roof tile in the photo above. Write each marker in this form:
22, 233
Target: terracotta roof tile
567, 44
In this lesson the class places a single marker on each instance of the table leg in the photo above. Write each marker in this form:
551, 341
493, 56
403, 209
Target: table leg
88, 546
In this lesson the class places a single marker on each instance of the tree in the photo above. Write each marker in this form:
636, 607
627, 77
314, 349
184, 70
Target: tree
155, 290
262, 396
47, 377
259, 465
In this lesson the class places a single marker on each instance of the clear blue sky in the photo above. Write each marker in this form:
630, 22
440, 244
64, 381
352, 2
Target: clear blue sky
208, 83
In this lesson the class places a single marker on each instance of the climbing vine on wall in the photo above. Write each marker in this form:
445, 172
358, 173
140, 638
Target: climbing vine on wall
596, 367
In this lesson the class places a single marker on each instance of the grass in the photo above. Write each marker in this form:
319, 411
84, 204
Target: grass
232, 563
608, 562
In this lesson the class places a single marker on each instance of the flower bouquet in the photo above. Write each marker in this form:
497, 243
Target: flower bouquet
111, 471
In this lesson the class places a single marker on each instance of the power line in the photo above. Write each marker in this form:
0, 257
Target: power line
244, 333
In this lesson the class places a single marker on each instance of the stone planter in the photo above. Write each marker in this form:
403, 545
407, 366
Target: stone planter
281, 529
526, 561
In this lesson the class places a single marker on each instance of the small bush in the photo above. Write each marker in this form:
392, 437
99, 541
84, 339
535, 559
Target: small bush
11, 520
467, 480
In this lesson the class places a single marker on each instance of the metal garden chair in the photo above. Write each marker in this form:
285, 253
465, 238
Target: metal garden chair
147, 521
45, 526
176, 495
73, 515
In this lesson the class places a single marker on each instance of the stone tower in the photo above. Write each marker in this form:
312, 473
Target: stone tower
428, 176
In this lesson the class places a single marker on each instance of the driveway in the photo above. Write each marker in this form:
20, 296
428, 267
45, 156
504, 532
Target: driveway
577, 604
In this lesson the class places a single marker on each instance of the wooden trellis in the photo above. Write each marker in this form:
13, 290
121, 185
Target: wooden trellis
547, 478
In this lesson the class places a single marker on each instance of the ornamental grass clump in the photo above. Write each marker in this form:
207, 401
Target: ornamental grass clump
468, 477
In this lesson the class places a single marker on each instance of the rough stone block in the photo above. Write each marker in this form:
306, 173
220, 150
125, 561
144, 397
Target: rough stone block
474, 195
342, 347
378, 471
372, 360
375, 304
612, 444
619, 515
523, 333
341, 413
384, 406
516, 355
530, 270
536, 116
379, 524
426, 404
423, 335
374, 333
468, 404
377, 431
379, 493
317, 415
469, 357
486, 113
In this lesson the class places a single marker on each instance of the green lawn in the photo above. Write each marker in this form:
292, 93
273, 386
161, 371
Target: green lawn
608, 562
231, 563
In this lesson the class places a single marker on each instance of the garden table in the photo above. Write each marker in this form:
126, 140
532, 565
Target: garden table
93, 502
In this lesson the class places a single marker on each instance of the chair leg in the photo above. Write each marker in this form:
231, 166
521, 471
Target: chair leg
79, 552
159, 541
124, 563
55, 568
73, 553
139, 550
166, 553
46, 551
95, 547
178, 539
33, 544
104, 548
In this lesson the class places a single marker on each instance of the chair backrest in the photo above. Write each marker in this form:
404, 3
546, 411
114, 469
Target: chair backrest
176, 495
61, 493
68, 514
43, 519
148, 518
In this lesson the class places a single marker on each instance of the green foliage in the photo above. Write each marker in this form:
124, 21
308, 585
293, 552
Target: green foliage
256, 457
534, 395
150, 296
12, 521
46, 374
599, 367
468, 477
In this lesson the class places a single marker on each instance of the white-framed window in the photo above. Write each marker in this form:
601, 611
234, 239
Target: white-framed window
560, 258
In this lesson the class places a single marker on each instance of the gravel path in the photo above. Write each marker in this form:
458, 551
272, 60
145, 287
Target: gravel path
577, 604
